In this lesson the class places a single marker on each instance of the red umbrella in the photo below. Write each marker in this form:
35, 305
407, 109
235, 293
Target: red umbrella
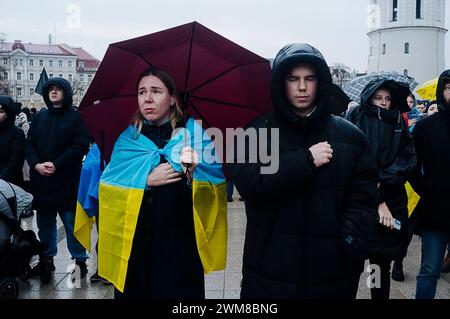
220, 82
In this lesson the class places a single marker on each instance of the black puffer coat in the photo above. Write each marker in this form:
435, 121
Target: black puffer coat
393, 147
12, 144
432, 140
305, 226
58, 136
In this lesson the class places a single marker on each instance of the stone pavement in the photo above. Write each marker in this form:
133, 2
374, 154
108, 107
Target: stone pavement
219, 285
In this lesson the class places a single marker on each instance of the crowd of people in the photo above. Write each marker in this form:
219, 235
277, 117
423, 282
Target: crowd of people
337, 199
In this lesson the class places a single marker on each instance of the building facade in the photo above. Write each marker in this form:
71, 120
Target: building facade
23, 64
408, 36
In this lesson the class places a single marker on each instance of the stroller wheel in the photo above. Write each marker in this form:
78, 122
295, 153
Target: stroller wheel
9, 289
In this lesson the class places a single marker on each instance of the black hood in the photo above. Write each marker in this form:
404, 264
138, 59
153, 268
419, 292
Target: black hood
7, 104
67, 89
287, 58
399, 92
442, 105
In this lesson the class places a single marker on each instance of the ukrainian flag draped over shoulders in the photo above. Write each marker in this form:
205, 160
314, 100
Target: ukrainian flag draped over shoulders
122, 187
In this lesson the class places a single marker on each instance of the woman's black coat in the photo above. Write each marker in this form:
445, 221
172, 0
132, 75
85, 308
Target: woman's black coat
393, 147
12, 145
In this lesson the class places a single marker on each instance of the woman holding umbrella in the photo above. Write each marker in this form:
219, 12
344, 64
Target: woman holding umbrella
379, 116
155, 252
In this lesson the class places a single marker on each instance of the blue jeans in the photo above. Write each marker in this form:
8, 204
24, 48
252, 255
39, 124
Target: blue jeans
230, 189
46, 222
434, 245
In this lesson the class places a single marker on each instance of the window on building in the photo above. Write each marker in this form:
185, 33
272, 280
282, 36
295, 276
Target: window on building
16, 62
31, 91
50, 63
20, 62
89, 78
405, 72
50, 76
394, 10
406, 48
82, 78
371, 51
418, 9
19, 76
31, 76
19, 91
41, 62
5, 61
69, 64
60, 75
81, 65
383, 49
70, 77
81, 92
60, 63
31, 62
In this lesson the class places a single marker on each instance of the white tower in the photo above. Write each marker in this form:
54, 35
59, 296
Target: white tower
408, 36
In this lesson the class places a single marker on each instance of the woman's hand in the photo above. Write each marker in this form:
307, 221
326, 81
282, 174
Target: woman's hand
386, 218
163, 174
189, 159
411, 122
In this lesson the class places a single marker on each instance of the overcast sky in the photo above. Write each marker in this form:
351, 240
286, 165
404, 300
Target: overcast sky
337, 28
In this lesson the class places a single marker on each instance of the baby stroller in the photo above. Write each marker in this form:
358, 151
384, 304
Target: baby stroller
17, 246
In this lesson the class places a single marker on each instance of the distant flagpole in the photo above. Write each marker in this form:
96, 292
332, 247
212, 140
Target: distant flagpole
43, 78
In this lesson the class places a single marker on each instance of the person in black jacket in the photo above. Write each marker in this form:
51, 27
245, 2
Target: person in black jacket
380, 118
12, 143
56, 144
307, 221
432, 140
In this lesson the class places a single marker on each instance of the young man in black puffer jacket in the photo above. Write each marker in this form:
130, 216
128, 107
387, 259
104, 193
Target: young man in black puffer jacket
308, 220
56, 144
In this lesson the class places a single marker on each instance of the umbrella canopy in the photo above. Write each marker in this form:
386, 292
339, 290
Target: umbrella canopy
355, 87
339, 100
427, 90
220, 82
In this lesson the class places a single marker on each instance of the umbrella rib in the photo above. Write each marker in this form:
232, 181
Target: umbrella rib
131, 51
189, 63
199, 113
222, 74
223, 103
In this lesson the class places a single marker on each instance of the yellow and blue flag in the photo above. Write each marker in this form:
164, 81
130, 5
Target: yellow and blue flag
87, 199
122, 187
413, 198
